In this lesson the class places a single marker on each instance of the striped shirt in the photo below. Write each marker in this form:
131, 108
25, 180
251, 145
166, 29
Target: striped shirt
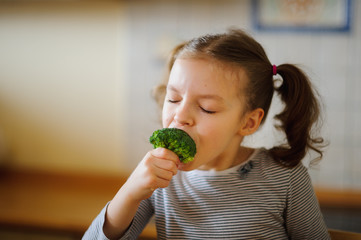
258, 199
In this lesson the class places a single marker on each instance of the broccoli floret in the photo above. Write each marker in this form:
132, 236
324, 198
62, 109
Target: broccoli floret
175, 140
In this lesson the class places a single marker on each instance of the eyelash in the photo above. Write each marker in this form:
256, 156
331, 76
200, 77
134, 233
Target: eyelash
206, 111
203, 110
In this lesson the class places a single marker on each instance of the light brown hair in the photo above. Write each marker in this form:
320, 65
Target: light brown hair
302, 108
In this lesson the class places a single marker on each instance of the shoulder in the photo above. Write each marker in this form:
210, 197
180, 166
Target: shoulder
271, 169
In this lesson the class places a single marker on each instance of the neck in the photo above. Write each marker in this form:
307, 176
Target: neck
239, 156
243, 155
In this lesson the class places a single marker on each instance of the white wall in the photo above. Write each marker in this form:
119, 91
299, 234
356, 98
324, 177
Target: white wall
62, 88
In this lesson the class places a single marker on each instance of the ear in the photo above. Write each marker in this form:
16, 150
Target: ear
251, 122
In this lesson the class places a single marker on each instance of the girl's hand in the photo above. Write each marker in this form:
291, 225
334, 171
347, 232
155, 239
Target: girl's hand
155, 171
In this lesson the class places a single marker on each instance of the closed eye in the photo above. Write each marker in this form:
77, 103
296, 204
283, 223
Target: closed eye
207, 111
172, 101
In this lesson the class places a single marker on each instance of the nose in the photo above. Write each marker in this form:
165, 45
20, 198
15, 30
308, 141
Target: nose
183, 115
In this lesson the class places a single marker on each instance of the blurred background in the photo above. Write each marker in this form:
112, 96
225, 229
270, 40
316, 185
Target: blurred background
76, 79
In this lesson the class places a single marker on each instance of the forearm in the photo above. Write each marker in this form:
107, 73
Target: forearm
155, 171
119, 215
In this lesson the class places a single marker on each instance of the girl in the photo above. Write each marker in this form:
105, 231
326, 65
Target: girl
219, 90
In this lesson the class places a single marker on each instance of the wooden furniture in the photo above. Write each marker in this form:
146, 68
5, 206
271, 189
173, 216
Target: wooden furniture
67, 203
346, 198
343, 235
55, 203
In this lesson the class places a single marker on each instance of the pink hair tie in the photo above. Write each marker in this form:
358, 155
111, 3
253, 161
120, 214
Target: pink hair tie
274, 69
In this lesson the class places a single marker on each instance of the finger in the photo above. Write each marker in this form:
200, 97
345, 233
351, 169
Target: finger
151, 173
164, 153
157, 182
162, 183
166, 165
165, 161
163, 174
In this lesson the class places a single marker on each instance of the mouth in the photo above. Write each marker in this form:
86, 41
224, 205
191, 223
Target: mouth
183, 129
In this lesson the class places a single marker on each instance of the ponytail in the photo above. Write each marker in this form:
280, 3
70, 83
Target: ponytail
301, 113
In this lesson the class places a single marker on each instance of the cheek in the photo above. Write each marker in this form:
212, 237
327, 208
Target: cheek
216, 134
209, 135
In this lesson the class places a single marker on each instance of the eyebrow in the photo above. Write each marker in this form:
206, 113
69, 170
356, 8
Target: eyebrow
204, 96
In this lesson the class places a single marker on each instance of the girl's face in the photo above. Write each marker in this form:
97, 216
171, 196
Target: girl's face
204, 100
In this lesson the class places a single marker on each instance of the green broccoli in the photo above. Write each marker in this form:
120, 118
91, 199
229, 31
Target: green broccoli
175, 140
